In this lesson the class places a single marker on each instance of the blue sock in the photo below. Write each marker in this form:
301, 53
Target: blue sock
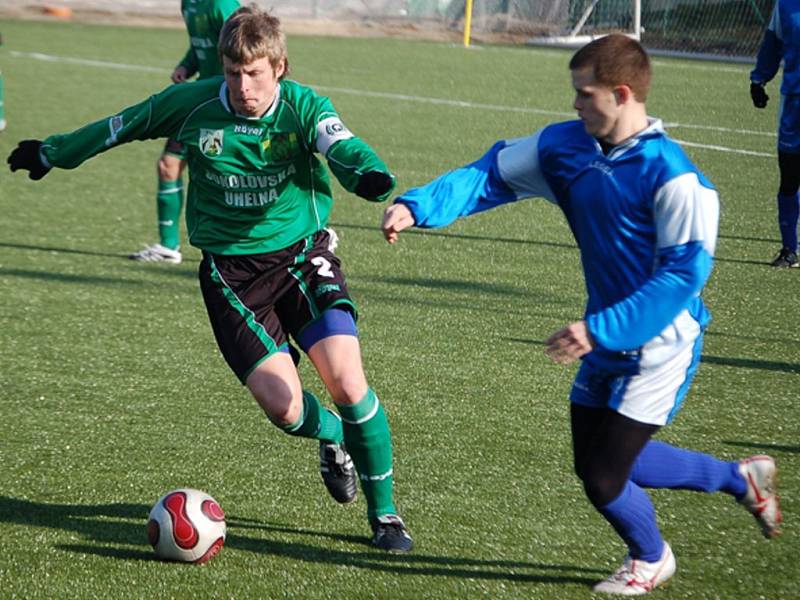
633, 517
660, 465
788, 212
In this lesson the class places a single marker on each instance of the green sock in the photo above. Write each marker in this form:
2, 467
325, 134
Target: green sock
369, 442
316, 422
169, 206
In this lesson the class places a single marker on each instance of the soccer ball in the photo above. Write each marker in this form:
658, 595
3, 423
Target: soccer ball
186, 525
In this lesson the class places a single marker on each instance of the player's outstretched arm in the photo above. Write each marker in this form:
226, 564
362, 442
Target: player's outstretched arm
27, 156
396, 218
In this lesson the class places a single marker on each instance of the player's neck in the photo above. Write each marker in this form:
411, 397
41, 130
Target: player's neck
630, 122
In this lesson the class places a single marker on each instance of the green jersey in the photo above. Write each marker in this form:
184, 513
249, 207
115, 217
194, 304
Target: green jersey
204, 20
255, 184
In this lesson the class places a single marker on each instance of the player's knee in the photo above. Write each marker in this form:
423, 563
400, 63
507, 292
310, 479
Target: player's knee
602, 487
349, 388
282, 405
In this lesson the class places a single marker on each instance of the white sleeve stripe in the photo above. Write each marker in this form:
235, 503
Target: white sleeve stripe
686, 211
330, 130
518, 164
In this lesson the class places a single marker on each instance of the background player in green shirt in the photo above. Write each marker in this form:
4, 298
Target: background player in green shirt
204, 20
257, 207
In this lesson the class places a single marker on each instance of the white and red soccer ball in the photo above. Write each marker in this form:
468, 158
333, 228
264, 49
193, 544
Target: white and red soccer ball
186, 525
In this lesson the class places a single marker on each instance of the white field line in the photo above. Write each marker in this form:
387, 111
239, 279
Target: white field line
423, 99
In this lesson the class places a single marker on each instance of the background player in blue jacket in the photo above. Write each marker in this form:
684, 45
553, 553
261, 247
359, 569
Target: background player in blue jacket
645, 220
782, 42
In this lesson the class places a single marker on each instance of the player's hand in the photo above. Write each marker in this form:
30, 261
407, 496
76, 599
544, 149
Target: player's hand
759, 95
373, 184
569, 344
180, 74
26, 156
396, 218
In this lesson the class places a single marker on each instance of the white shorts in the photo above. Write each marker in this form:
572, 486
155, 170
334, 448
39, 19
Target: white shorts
653, 396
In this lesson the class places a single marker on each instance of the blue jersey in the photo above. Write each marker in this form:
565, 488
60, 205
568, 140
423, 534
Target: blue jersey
781, 42
645, 219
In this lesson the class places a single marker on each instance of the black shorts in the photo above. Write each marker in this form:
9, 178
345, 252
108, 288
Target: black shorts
256, 301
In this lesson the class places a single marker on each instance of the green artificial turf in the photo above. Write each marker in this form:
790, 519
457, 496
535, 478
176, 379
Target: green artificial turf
112, 391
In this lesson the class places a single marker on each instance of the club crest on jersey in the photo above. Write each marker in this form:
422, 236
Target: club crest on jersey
280, 146
211, 142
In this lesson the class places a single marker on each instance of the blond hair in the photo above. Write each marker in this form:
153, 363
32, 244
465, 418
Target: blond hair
250, 34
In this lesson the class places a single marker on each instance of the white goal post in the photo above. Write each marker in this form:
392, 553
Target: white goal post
628, 21
712, 29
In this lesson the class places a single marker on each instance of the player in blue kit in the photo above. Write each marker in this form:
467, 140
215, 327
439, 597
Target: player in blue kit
645, 220
782, 43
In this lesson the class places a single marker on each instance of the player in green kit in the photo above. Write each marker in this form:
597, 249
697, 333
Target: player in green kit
257, 206
204, 20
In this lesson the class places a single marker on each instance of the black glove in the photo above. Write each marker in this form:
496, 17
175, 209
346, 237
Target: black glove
758, 94
26, 156
373, 184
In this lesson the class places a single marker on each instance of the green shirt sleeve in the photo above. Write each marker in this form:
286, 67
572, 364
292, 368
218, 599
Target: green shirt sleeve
158, 116
348, 156
189, 62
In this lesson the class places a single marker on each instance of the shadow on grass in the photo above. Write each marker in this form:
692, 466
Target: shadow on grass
757, 338
60, 250
466, 287
761, 446
744, 363
66, 277
751, 363
460, 236
744, 238
124, 524
162, 268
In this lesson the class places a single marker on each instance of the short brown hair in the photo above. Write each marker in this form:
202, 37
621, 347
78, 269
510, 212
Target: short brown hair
616, 60
250, 34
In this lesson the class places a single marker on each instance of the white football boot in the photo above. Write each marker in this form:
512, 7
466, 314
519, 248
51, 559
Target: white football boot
157, 253
761, 498
637, 577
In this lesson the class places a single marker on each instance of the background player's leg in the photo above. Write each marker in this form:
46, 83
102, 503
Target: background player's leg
169, 205
788, 208
169, 200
